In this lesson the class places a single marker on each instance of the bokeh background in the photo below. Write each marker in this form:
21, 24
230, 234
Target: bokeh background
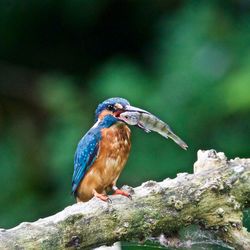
186, 61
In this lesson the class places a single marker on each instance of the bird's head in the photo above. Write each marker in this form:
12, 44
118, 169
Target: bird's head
114, 106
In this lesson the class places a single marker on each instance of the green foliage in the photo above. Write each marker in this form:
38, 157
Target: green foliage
187, 62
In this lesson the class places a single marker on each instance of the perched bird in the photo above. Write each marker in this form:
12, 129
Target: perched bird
103, 151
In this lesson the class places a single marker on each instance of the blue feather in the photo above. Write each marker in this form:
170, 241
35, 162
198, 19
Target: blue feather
88, 149
102, 106
85, 156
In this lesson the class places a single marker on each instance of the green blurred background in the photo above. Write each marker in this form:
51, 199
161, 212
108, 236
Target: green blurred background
186, 61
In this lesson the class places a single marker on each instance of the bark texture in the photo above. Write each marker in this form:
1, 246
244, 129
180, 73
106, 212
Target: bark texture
213, 198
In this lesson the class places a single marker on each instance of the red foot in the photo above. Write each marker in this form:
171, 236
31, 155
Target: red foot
122, 192
102, 197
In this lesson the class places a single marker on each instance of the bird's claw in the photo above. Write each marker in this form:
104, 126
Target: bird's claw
130, 196
102, 197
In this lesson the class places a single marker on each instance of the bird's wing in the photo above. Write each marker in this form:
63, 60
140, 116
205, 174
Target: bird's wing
86, 154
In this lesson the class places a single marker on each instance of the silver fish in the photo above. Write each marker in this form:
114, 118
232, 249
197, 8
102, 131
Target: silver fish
148, 122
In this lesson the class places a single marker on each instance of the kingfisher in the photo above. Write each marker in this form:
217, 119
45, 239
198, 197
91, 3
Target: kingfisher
103, 151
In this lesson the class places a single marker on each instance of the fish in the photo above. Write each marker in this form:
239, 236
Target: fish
149, 122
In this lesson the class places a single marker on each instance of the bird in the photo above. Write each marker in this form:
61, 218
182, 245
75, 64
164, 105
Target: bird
103, 151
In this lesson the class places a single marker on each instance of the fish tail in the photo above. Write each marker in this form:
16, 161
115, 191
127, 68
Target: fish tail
176, 139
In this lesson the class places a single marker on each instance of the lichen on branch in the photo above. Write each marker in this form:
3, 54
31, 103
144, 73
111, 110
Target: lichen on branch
213, 198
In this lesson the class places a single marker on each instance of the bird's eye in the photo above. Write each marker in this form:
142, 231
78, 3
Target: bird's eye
111, 107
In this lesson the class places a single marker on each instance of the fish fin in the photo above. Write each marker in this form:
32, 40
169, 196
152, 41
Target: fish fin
142, 127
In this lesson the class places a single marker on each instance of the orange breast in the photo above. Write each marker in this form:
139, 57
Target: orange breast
113, 154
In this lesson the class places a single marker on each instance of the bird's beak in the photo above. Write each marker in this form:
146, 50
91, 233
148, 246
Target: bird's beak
134, 109
129, 109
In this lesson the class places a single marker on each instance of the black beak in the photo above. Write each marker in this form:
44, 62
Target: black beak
130, 109
135, 109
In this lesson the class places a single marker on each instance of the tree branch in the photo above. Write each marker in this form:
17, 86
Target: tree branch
213, 197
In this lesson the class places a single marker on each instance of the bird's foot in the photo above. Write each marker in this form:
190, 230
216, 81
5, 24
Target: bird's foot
122, 192
102, 197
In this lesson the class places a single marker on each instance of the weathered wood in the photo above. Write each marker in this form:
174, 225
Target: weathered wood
213, 197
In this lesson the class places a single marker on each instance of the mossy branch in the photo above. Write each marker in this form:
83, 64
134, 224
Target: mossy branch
213, 198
